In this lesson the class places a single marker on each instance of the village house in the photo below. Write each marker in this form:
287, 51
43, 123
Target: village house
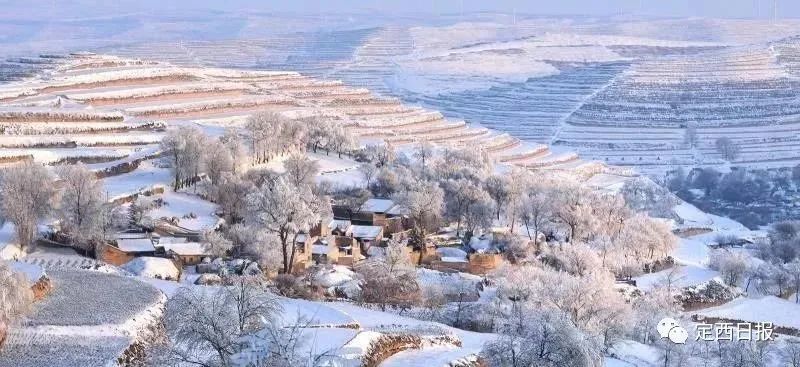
340, 250
126, 247
184, 252
375, 212
302, 256
336, 246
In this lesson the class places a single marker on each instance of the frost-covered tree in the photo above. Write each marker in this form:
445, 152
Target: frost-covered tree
423, 151
320, 133
461, 163
784, 244
16, 298
381, 155
218, 161
793, 270
727, 148
650, 308
571, 208
790, 353
287, 211
233, 142
206, 328
184, 147
341, 140
300, 170
388, 181
463, 199
27, 194
746, 353
535, 212
533, 337
646, 239
391, 279
590, 302
259, 244
642, 194
499, 189
216, 244
83, 205
368, 172
230, 194
610, 213
577, 259
266, 129
424, 202
732, 266
478, 215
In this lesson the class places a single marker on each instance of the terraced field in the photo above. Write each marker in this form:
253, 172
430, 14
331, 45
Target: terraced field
586, 84
748, 95
531, 110
111, 113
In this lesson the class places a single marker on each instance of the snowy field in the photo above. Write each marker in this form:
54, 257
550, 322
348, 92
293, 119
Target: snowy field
620, 91
83, 325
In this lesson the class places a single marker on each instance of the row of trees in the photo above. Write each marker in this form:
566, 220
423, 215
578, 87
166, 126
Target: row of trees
547, 206
191, 153
273, 134
239, 324
727, 148
29, 194
776, 272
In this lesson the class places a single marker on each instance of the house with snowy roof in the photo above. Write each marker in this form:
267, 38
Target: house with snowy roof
186, 253
340, 250
126, 247
375, 212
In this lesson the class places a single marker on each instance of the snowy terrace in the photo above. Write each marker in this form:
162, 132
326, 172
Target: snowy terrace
111, 112
747, 94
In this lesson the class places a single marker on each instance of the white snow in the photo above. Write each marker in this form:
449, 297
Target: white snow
377, 205
678, 277
143, 244
366, 232
8, 247
152, 267
452, 253
32, 272
180, 205
185, 248
767, 309
333, 276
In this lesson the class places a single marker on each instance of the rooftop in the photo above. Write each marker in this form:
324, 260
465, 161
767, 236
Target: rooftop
186, 248
139, 244
377, 205
368, 232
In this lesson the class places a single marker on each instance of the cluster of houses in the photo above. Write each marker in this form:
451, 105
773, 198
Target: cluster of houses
344, 240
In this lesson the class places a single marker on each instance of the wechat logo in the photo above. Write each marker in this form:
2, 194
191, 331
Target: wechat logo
669, 328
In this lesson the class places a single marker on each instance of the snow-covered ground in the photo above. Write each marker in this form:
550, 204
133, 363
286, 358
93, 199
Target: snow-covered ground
9, 249
776, 310
78, 324
153, 267
678, 277
192, 212
144, 178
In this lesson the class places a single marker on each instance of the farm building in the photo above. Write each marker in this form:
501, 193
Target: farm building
126, 247
341, 250
375, 212
187, 253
